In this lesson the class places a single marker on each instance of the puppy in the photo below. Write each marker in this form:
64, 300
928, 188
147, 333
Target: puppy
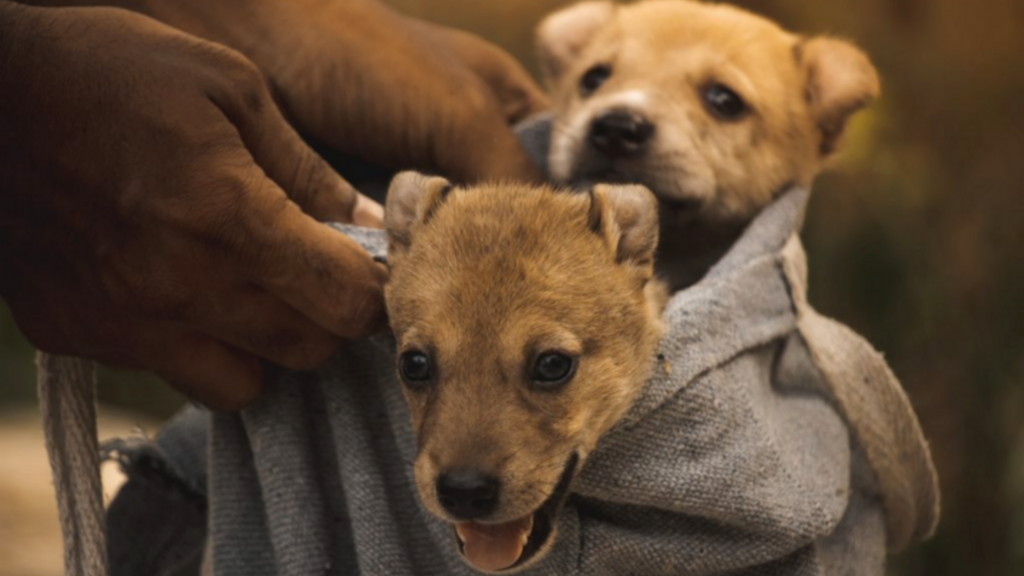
715, 109
526, 321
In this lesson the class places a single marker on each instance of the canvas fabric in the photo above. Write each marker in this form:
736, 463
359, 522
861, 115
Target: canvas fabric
770, 441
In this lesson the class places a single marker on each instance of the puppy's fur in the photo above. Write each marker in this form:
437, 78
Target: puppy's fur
485, 280
659, 59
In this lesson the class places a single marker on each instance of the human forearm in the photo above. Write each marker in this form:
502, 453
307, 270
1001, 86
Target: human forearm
364, 80
260, 29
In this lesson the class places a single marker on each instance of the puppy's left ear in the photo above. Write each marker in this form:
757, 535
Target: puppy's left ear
411, 201
840, 81
627, 217
563, 35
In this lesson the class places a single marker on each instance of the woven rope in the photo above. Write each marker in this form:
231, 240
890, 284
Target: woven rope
67, 398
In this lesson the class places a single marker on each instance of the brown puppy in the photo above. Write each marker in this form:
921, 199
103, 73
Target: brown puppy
526, 323
713, 108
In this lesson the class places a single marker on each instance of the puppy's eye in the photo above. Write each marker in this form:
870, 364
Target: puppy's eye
724, 103
415, 367
553, 369
593, 79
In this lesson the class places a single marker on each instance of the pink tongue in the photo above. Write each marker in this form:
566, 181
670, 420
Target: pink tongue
494, 546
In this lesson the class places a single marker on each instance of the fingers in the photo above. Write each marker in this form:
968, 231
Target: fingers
260, 324
325, 275
213, 373
320, 272
368, 213
201, 367
278, 149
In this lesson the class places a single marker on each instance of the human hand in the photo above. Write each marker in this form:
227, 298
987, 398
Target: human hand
369, 82
151, 208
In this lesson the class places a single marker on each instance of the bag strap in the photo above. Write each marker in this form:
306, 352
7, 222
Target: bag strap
878, 411
67, 398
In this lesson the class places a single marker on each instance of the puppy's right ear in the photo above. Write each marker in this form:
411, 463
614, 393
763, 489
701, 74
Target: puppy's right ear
563, 35
412, 200
627, 216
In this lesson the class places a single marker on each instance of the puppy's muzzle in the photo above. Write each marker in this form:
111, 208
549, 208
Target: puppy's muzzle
620, 133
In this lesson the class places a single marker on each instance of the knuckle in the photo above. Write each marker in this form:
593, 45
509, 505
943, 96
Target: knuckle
240, 80
247, 83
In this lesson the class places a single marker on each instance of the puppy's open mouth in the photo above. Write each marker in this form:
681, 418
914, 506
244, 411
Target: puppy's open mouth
495, 547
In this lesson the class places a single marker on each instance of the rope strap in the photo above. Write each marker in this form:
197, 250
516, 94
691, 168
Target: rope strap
67, 398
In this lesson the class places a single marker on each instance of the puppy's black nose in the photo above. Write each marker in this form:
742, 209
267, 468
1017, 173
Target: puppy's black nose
467, 494
620, 133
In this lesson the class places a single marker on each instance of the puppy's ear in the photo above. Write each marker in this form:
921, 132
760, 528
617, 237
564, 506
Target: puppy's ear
627, 216
840, 81
563, 35
412, 199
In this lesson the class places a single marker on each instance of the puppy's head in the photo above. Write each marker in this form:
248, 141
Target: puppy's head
525, 323
711, 107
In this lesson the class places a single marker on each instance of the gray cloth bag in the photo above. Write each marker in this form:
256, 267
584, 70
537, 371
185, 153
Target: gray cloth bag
770, 441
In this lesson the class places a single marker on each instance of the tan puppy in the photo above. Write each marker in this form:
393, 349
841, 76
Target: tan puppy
526, 323
713, 108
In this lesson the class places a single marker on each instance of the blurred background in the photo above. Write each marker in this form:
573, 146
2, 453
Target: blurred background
915, 239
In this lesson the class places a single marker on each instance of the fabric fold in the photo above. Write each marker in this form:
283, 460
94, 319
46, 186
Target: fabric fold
770, 441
